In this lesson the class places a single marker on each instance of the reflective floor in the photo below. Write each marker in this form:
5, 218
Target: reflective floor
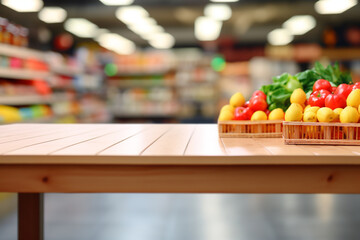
196, 216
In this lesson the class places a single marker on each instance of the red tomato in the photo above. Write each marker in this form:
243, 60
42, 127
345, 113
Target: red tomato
267, 111
317, 98
356, 85
242, 113
335, 101
258, 104
259, 93
246, 104
333, 89
322, 84
344, 90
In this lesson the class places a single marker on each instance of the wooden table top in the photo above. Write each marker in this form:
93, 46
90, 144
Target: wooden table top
154, 144
167, 158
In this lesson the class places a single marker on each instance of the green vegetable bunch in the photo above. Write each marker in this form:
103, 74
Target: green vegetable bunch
278, 93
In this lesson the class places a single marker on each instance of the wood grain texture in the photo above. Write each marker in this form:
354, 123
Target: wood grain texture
173, 142
181, 179
205, 142
109, 137
136, 144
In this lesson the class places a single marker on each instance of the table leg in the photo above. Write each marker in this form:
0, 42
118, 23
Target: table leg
30, 216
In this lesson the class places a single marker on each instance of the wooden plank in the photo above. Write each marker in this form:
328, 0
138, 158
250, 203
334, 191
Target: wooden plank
277, 147
61, 132
30, 216
137, 143
205, 141
181, 179
92, 146
354, 149
244, 147
173, 142
327, 150
87, 133
22, 132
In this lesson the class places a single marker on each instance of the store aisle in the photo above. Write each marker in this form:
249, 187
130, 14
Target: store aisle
196, 216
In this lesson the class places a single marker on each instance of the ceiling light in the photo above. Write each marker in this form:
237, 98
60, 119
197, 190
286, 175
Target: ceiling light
24, 5
207, 29
334, 6
146, 30
117, 2
81, 27
116, 43
301, 24
52, 14
224, 0
131, 14
220, 12
280, 37
162, 41
147, 21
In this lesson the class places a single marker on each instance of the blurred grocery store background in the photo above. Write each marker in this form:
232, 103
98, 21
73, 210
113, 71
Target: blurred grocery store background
156, 60
175, 61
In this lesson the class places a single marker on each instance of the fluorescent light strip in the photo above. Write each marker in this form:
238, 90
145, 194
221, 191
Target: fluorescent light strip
81, 27
52, 14
224, 1
162, 41
301, 24
219, 12
137, 20
23, 5
279, 37
131, 14
116, 43
334, 6
117, 2
207, 29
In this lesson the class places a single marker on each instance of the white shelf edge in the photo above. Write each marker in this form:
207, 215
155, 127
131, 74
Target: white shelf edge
23, 74
31, 99
21, 52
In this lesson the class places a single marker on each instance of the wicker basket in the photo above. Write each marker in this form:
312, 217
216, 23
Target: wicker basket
321, 133
250, 129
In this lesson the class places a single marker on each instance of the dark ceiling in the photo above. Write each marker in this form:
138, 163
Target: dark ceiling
251, 21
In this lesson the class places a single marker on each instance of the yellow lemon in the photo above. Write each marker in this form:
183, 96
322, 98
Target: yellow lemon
258, 115
226, 115
312, 109
307, 107
277, 114
294, 112
298, 96
300, 106
349, 115
227, 107
353, 100
337, 112
237, 100
325, 114
310, 116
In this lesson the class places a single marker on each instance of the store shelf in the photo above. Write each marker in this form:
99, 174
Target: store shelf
23, 74
143, 83
21, 52
32, 99
66, 71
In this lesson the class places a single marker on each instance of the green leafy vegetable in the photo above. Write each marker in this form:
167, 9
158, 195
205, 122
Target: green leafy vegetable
278, 93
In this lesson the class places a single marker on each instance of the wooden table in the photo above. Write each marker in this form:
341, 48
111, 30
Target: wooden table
149, 158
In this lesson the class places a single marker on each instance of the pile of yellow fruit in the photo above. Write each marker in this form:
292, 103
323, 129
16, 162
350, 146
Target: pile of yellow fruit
299, 112
255, 109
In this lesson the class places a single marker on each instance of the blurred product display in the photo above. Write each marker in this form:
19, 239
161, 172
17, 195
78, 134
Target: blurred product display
62, 61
